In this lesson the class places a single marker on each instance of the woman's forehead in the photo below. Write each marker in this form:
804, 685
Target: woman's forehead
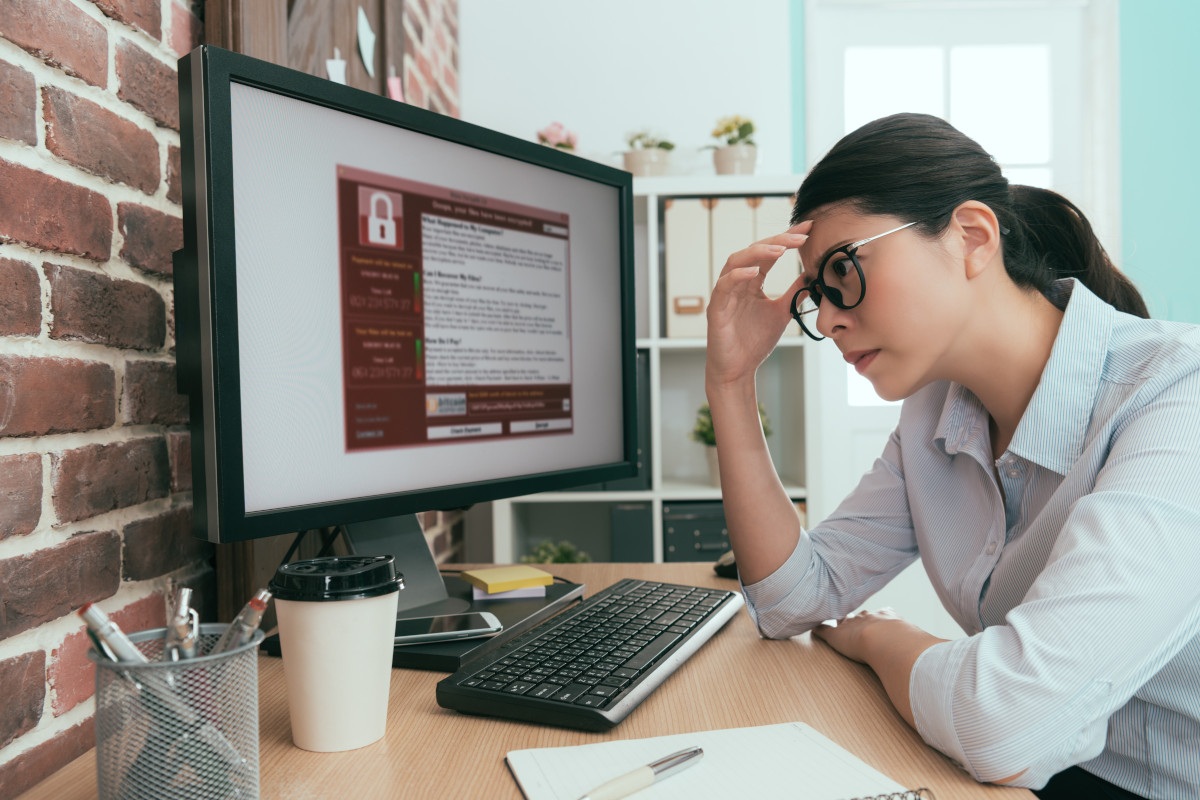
834, 225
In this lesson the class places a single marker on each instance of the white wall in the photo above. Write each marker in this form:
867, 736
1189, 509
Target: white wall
606, 69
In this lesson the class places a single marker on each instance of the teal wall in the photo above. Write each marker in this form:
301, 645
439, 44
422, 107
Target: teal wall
1160, 154
796, 21
1160, 148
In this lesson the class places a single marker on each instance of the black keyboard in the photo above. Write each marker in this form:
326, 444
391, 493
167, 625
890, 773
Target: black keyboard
591, 665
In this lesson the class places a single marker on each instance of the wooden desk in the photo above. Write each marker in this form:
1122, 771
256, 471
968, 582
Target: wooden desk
735, 680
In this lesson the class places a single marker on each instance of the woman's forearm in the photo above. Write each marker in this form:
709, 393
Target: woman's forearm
763, 524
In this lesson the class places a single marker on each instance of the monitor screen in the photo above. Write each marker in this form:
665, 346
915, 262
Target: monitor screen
389, 310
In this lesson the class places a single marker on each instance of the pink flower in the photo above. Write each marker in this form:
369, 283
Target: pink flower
555, 135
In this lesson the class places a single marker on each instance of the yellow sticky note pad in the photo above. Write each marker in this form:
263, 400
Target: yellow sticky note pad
504, 579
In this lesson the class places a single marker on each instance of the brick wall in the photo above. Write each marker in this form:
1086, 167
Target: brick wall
431, 55
95, 487
95, 501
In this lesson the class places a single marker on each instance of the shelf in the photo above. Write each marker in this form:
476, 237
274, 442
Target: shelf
688, 490
585, 497
630, 523
710, 185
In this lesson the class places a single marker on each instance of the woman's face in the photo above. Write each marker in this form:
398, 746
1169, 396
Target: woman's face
913, 307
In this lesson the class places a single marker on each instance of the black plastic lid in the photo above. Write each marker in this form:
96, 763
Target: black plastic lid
336, 578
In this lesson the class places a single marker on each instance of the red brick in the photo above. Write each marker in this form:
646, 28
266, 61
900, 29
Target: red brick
20, 494
174, 176
97, 140
20, 299
47, 584
179, 446
144, 14
148, 84
150, 237
162, 544
425, 67
55, 395
24, 682
72, 675
59, 33
141, 615
92, 480
92, 307
18, 104
186, 30
414, 92
450, 80
52, 214
151, 395
34, 765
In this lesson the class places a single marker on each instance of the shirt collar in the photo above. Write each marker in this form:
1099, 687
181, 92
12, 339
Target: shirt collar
1052, 430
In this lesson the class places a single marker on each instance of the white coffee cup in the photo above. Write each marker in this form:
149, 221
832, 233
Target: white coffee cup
337, 618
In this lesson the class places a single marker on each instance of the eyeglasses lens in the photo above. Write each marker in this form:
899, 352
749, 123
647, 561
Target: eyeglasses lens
843, 280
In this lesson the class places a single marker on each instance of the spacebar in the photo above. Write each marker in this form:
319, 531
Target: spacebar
651, 650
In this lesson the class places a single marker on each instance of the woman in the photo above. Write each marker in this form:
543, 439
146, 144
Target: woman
1045, 468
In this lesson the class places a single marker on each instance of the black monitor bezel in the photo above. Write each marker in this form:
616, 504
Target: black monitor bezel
206, 298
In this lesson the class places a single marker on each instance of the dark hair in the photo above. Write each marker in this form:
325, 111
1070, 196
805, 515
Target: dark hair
918, 167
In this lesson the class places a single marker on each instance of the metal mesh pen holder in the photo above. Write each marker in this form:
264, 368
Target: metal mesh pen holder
182, 730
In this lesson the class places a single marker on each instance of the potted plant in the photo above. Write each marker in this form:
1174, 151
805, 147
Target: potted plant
547, 552
703, 432
557, 136
737, 152
647, 154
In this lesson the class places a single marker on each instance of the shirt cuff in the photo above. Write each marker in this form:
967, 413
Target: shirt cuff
771, 590
931, 695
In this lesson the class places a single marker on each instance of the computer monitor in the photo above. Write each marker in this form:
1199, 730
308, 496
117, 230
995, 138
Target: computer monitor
382, 310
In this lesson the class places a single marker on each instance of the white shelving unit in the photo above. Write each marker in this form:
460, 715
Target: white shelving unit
678, 466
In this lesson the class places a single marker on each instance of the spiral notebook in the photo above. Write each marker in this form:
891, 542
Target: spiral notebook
762, 761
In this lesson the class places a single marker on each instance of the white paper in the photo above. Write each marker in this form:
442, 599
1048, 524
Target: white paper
785, 760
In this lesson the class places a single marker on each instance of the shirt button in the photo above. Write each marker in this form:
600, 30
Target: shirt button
1014, 472
991, 548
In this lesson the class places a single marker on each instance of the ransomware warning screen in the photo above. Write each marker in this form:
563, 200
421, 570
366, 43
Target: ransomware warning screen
455, 315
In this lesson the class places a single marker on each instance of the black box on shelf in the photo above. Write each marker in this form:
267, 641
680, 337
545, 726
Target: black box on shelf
694, 531
632, 532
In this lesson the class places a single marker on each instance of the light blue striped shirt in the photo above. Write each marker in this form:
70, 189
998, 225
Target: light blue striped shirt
1078, 587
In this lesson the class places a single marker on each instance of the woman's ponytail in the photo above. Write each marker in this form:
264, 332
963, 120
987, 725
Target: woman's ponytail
1050, 238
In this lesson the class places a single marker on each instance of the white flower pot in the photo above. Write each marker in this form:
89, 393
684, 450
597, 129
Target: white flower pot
651, 161
736, 159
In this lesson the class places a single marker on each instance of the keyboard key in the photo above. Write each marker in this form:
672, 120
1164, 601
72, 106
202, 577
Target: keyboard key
544, 690
568, 693
652, 651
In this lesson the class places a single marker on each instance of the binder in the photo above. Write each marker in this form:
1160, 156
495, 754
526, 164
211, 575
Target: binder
687, 270
732, 230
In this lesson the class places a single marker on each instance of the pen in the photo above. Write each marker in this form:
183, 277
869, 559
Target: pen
244, 624
107, 632
182, 628
646, 776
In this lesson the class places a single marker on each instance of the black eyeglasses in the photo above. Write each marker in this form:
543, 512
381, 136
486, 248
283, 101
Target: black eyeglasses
840, 280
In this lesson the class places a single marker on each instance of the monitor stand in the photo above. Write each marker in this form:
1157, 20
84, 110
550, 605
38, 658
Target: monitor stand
424, 593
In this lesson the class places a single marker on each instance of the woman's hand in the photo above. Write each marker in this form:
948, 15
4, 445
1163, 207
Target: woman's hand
885, 643
744, 325
850, 636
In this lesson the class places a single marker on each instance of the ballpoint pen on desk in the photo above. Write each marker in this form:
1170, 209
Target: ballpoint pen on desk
644, 777
242, 629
